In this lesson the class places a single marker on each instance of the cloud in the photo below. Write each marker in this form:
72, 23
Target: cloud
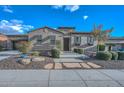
57, 6
70, 8
14, 27
7, 8
85, 17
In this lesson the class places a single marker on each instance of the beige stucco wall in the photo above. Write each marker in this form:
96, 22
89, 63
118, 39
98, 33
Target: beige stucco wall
45, 32
45, 35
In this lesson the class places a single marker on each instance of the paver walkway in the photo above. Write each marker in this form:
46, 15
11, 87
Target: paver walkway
73, 65
71, 60
68, 56
62, 78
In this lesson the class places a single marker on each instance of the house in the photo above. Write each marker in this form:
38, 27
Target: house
9, 42
4, 41
63, 38
115, 44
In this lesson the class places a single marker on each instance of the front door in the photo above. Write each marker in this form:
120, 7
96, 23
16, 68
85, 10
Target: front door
14, 45
66, 44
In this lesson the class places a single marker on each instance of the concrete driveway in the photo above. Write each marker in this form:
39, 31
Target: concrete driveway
62, 78
11, 52
7, 54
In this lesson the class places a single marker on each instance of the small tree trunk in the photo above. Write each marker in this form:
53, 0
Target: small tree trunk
97, 46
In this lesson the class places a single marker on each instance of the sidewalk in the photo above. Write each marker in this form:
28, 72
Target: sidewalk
62, 78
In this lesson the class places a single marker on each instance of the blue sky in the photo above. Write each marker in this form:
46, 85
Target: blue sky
20, 19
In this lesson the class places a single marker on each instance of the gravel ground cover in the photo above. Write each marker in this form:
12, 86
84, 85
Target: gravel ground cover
12, 63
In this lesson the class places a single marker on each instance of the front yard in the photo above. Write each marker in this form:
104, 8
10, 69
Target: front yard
12, 63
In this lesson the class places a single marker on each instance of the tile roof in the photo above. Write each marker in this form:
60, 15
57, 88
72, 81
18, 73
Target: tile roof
66, 27
81, 33
47, 28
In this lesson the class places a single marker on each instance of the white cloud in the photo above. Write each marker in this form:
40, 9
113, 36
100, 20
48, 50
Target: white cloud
14, 27
57, 6
7, 9
85, 17
70, 8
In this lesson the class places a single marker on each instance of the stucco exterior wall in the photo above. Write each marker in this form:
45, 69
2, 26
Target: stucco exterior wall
46, 33
84, 39
116, 44
5, 42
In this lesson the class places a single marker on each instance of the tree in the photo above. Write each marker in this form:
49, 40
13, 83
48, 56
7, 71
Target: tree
24, 46
101, 36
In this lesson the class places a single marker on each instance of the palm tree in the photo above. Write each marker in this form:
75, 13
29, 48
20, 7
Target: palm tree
101, 36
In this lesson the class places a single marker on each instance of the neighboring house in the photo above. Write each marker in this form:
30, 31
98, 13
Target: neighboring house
9, 42
115, 44
63, 38
5, 42
15, 39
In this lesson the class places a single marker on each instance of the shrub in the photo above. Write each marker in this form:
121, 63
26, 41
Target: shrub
35, 53
78, 50
55, 53
104, 55
114, 55
75, 50
121, 55
1, 48
101, 47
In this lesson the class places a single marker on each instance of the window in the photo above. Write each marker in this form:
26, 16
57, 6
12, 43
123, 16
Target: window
39, 38
52, 40
90, 40
77, 40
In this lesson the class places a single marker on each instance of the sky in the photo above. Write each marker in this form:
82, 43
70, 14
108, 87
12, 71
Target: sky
20, 19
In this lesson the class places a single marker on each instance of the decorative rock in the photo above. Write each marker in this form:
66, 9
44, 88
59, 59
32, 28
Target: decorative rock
37, 59
72, 65
25, 61
49, 66
58, 66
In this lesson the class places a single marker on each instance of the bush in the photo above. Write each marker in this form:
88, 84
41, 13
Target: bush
101, 47
55, 53
121, 55
104, 55
75, 50
1, 48
114, 55
78, 50
35, 53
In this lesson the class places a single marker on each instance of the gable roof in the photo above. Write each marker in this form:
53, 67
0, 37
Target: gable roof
84, 33
23, 35
47, 28
116, 38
